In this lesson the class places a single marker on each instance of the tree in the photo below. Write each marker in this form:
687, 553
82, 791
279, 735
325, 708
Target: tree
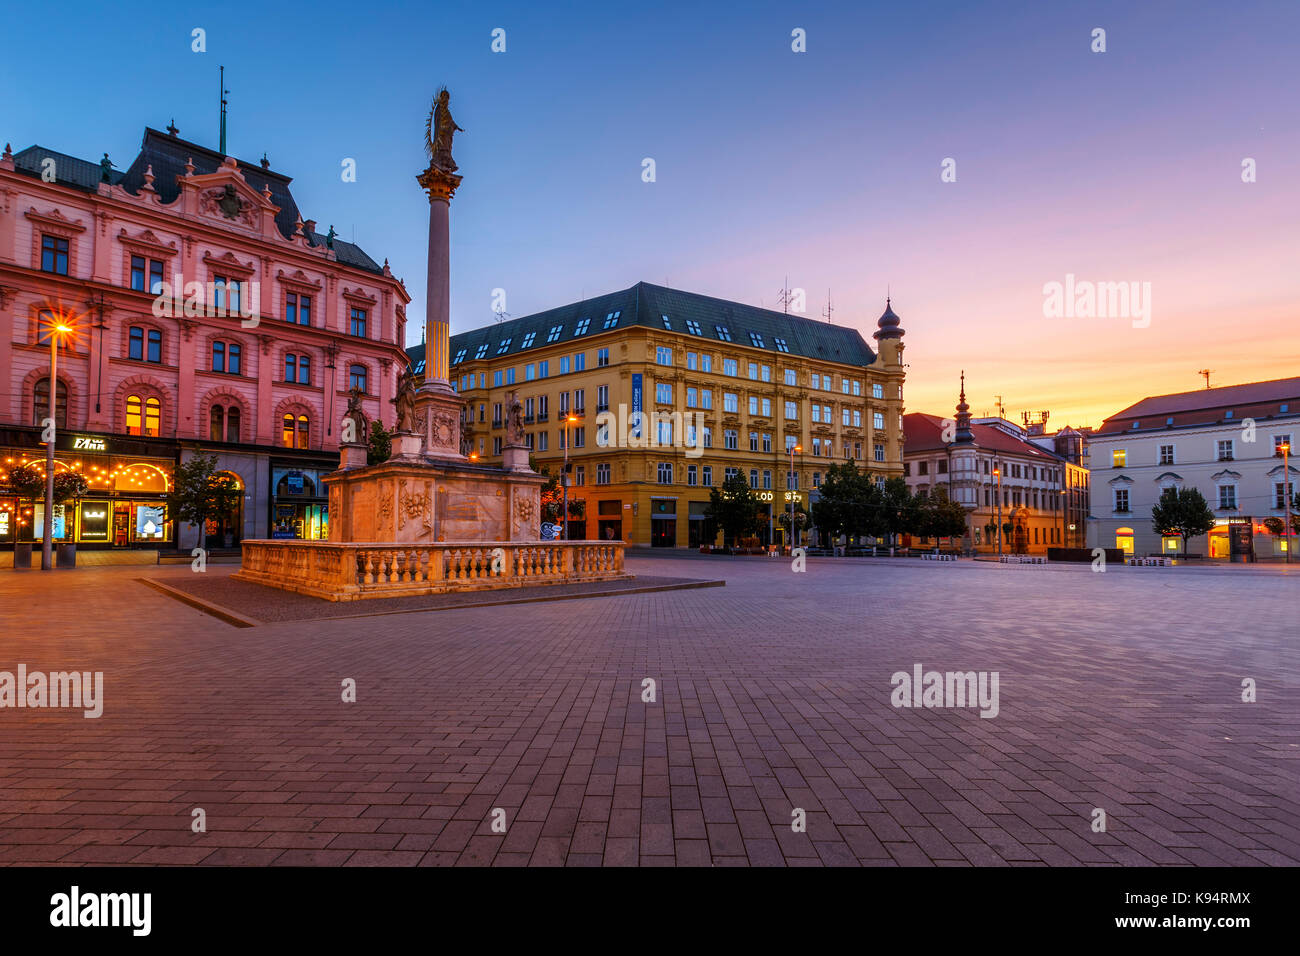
899, 512
27, 482
733, 509
380, 446
1182, 511
69, 486
941, 517
200, 493
846, 503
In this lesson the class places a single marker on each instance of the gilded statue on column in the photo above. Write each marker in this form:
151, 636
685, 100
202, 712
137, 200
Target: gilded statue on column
439, 132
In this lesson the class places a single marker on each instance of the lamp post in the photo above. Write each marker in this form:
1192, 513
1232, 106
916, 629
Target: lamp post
564, 475
789, 490
997, 473
57, 330
1285, 449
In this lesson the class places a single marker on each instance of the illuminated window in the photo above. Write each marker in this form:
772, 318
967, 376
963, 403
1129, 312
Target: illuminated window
295, 432
143, 416
1119, 458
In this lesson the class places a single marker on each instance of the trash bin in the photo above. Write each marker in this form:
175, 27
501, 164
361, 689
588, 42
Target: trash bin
67, 556
23, 555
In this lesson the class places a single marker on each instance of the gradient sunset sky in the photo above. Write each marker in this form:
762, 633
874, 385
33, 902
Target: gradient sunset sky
821, 166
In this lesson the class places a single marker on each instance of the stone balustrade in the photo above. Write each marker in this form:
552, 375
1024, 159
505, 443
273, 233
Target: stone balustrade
339, 571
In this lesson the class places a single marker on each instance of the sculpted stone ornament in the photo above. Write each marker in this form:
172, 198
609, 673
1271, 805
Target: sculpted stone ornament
439, 131
514, 420
357, 416
405, 402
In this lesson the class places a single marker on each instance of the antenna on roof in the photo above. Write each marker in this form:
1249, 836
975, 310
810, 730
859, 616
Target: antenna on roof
223, 93
785, 298
829, 308
1001, 407
1206, 373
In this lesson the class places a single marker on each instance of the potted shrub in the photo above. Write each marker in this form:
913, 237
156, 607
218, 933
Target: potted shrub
68, 486
28, 483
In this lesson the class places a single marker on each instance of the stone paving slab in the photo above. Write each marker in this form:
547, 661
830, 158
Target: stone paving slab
772, 695
253, 603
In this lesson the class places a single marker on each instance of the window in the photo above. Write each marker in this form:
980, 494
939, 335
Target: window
857, 418
730, 439
1225, 450
753, 441
602, 473
1118, 458
1279, 441
580, 361
1121, 499
790, 442
581, 327
753, 404
226, 357
706, 362
602, 358
295, 431
844, 386
663, 356
857, 387
663, 392
144, 345
510, 376
602, 398
753, 477
780, 344
1166, 454
708, 437
460, 357
878, 420
54, 255
730, 367
579, 401
503, 347
543, 407
692, 397
528, 340
827, 417
663, 432
877, 390
543, 440
1279, 496
729, 473
879, 450
496, 445
224, 423
579, 437
730, 402
544, 369
792, 480
564, 365
693, 327
817, 447
692, 475
554, 334
297, 310
753, 371
498, 378
706, 475
580, 475
817, 413
611, 320
845, 417
791, 376
357, 377
143, 415
359, 323
530, 372
564, 404
146, 274
817, 479
482, 351
706, 398
41, 403
792, 410
767, 441
722, 332
1227, 497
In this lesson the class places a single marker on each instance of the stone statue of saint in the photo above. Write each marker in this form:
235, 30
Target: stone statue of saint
357, 416
514, 420
329, 238
405, 402
439, 131
105, 169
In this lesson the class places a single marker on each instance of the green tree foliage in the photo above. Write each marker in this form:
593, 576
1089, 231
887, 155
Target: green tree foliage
380, 446
733, 509
27, 482
1182, 511
200, 494
940, 517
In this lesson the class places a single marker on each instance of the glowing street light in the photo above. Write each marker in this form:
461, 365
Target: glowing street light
58, 328
789, 490
564, 475
1285, 449
997, 473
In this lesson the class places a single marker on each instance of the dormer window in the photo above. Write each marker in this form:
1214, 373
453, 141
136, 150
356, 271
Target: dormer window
756, 340
554, 334
611, 320
582, 327
722, 332
482, 351
460, 357
693, 327
528, 340
504, 347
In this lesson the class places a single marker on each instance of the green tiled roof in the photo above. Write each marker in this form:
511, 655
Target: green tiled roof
647, 305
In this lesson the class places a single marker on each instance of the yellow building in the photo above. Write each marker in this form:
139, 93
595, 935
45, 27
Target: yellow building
664, 393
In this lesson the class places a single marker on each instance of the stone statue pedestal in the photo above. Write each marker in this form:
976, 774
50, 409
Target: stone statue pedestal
514, 458
438, 405
352, 454
406, 447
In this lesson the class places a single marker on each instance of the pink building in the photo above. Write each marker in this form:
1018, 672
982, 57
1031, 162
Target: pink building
253, 365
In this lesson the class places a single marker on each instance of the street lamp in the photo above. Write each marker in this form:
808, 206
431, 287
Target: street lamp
997, 473
57, 329
1285, 449
564, 475
789, 490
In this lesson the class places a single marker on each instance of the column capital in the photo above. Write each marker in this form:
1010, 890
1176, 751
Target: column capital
439, 184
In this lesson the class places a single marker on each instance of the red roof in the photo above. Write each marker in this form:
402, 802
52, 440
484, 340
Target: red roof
925, 433
1208, 405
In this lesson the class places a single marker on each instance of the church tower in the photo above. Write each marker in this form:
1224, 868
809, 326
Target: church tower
964, 458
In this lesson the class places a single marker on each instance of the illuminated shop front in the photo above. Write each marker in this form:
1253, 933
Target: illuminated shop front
299, 502
125, 504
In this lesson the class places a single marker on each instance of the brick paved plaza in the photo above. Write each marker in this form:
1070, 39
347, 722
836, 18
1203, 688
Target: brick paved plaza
1119, 691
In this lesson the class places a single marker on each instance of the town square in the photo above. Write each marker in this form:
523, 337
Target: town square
710, 436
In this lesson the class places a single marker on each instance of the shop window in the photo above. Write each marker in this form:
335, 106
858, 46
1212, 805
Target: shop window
143, 415
41, 403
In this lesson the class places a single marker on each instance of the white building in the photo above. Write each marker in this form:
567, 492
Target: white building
1223, 441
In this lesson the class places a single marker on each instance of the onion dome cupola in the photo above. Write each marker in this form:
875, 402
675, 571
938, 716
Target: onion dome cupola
888, 326
963, 434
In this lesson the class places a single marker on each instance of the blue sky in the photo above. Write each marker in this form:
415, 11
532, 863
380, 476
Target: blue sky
821, 166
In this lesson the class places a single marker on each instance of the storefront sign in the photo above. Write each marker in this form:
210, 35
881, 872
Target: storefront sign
84, 443
94, 521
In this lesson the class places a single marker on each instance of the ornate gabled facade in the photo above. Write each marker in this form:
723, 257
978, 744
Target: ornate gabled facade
210, 317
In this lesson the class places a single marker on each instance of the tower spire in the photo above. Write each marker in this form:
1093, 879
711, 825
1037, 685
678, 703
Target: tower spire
963, 433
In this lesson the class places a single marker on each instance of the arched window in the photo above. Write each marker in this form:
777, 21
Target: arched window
41, 403
290, 367
295, 432
232, 423
216, 426
223, 424
143, 417
357, 377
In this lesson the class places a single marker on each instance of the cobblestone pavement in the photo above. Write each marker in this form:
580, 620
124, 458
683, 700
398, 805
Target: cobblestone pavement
1118, 691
